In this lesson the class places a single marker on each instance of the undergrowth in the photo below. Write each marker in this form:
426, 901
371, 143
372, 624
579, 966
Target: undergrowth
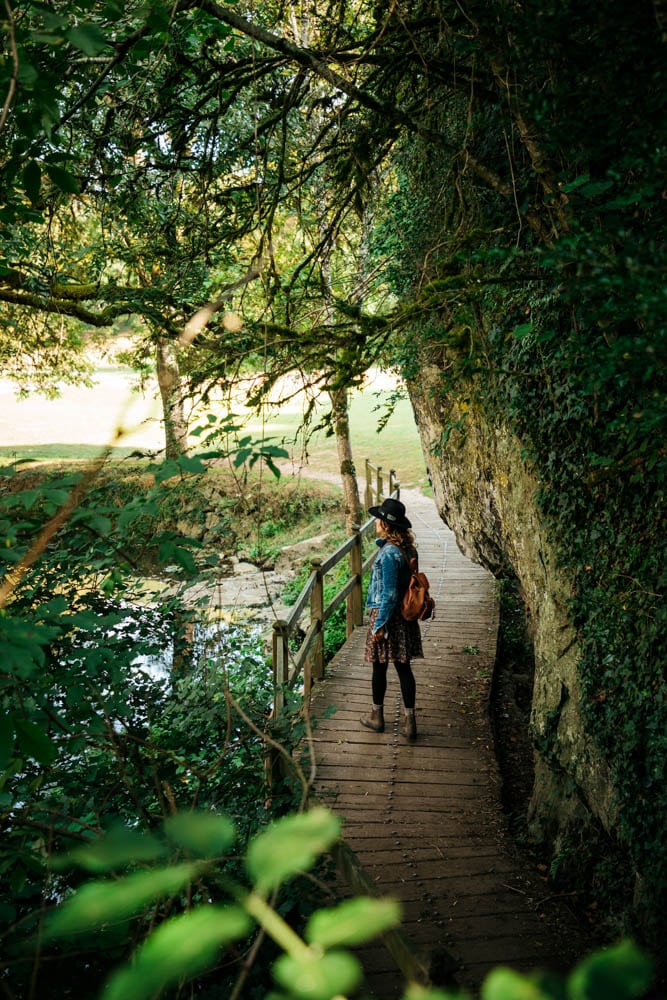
97, 735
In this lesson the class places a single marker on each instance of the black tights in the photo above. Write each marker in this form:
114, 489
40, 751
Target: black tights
406, 679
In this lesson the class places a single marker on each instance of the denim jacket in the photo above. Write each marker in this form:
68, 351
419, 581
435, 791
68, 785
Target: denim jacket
389, 580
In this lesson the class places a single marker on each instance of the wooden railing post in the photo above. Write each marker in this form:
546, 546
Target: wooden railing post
280, 660
280, 663
355, 612
394, 486
369, 486
380, 489
317, 614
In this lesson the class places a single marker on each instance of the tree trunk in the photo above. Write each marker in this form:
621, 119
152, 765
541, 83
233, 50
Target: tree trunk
169, 381
341, 417
341, 423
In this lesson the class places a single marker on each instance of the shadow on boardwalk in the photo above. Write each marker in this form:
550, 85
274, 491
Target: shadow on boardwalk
425, 820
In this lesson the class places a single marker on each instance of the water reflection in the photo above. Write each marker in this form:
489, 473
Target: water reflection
182, 645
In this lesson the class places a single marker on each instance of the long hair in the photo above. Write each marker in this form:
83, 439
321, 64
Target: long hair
402, 537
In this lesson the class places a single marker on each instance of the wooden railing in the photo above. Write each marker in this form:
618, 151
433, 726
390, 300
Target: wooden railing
307, 663
375, 479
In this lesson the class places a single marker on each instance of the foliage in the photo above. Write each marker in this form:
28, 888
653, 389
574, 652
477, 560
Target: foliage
157, 161
316, 966
217, 510
114, 714
142, 747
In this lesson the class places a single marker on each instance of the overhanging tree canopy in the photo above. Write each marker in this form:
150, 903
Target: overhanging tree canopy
519, 241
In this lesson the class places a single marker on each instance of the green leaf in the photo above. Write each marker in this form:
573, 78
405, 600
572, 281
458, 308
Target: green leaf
32, 180
290, 845
506, 984
88, 38
318, 977
112, 11
15, 767
274, 468
180, 948
276, 451
191, 463
157, 19
166, 470
622, 972
203, 834
99, 903
27, 74
519, 332
576, 183
52, 20
353, 922
184, 558
34, 742
7, 733
119, 847
46, 38
62, 179
595, 188
100, 523
55, 606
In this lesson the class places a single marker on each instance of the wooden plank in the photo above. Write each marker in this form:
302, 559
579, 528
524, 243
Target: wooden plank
395, 855
378, 772
368, 747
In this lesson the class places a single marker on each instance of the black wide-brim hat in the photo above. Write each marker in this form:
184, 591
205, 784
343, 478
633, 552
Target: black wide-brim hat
392, 511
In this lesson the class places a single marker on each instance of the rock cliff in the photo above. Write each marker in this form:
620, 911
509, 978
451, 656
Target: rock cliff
485, 491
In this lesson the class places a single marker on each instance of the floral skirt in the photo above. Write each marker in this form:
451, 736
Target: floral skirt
402, 641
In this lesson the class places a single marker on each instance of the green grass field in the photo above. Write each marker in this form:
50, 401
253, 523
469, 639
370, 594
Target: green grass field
82, 421
396, 446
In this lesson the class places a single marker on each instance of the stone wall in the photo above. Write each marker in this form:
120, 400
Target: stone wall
485, 492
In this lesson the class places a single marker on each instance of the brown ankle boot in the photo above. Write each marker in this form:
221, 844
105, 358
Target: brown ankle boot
409, 726
375, 720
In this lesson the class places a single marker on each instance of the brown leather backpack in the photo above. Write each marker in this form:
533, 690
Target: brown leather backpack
417, 604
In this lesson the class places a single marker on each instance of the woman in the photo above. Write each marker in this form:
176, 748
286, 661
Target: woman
389, 635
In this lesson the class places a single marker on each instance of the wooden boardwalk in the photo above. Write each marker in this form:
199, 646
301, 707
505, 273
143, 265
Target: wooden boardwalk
424, 820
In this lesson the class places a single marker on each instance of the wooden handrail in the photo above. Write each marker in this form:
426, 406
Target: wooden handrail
374, 491
308, 660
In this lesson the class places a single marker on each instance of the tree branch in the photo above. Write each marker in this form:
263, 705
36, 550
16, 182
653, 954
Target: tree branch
314, 61
67, 299
197, 323
65, 307
15, 66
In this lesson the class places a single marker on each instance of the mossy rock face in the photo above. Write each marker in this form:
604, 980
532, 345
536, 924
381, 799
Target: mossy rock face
485, 491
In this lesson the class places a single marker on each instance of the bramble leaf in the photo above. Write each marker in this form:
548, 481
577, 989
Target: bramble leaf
179, 949
622, 971
290, 845
99, 903
205, 835
318, 977
353, 922
121, 846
